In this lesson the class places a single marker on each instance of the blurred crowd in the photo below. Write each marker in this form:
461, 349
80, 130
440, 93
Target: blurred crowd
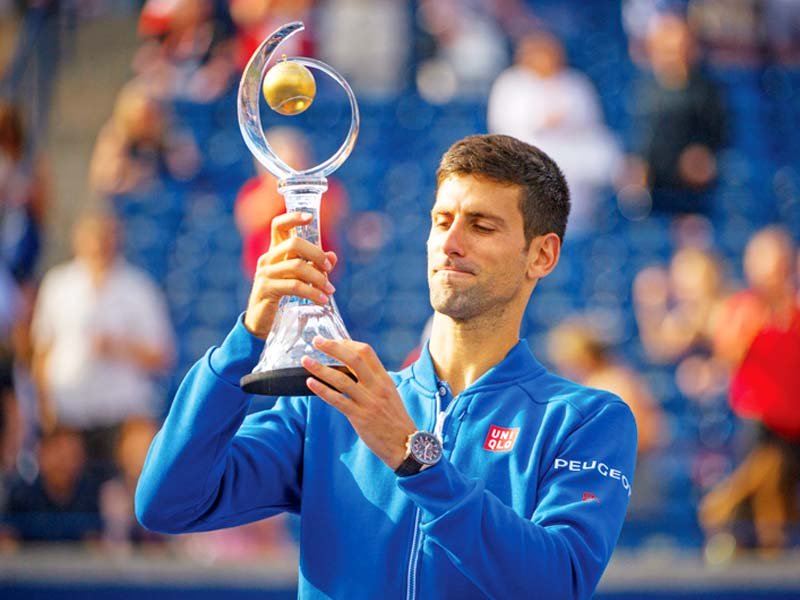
83, 344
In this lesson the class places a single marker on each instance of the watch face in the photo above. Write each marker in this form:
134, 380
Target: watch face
425, 448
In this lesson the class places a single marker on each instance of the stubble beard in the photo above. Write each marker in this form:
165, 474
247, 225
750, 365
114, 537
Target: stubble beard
477, 303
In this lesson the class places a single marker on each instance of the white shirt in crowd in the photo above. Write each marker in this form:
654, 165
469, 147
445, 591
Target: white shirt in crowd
86, 388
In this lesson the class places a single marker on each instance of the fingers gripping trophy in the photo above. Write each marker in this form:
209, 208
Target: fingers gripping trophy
289, 89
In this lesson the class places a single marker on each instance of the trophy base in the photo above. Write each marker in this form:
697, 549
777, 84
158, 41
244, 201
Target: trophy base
283, 382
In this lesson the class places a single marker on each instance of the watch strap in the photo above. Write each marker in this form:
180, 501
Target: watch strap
410, 466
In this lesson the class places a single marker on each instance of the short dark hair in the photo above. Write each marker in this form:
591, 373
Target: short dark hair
544, 202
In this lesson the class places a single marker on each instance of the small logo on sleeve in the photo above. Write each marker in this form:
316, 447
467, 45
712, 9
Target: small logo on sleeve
587, 496
500, 439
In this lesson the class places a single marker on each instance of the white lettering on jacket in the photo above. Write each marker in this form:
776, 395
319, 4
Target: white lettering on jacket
593, 465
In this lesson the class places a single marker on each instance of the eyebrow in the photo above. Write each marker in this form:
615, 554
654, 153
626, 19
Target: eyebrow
472, 214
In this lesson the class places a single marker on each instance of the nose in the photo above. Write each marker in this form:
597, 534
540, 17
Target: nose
453, 242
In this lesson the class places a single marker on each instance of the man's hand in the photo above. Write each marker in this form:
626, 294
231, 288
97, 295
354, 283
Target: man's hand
371, 404
151, 358
291, 267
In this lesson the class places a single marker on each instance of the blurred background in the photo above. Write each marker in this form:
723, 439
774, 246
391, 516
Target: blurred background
132, 215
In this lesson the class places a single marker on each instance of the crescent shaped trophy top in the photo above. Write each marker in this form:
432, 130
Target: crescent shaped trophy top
250, 117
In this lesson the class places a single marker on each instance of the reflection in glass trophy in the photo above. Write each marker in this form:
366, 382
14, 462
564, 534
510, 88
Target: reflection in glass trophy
289, 89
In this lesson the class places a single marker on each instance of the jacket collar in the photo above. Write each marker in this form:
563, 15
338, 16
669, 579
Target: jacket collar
518, 364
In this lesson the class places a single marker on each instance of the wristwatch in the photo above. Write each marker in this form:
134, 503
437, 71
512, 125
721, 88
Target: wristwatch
423, 450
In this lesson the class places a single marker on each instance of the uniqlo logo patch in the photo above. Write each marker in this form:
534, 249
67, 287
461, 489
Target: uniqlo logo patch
500, 439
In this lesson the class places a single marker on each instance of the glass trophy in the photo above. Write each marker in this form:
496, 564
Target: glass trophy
298, 321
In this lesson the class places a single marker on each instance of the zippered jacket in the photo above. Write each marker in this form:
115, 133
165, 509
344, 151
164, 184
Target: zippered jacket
527, 501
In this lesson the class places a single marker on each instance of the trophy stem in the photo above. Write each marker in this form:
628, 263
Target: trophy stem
298, 320
304, 195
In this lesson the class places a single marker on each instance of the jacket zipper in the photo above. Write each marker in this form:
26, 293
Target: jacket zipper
411, 580
413, 560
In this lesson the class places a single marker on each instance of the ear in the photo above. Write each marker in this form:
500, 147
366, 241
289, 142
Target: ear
543, 255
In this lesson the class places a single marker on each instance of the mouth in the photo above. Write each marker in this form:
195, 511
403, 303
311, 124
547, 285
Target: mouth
453, 271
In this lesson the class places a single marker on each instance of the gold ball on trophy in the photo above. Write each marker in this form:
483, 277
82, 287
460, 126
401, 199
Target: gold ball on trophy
289, 88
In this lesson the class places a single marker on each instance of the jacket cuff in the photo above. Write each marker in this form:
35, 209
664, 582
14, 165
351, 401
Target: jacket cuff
237, 355
436, 490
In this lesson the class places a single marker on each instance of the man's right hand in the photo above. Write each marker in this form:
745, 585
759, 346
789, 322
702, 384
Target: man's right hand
291, 267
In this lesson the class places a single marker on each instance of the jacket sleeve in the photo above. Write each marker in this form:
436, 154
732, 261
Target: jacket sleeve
563, 548
211, 466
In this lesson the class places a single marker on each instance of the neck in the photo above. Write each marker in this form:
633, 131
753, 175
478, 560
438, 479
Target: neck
780, 301
98, 271
60, 493
462, 351
673, 77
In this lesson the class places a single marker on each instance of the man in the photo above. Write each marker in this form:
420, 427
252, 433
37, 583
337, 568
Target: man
530, 492
60, 504
100, 332
679, 123
758, 337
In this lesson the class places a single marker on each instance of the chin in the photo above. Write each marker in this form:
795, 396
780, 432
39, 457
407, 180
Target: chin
454, 305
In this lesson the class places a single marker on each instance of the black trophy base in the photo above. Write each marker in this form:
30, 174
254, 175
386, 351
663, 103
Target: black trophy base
282, 382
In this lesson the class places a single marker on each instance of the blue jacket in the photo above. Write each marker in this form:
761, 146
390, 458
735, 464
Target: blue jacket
528, 501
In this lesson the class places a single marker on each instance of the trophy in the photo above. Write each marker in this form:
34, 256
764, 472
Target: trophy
289, 89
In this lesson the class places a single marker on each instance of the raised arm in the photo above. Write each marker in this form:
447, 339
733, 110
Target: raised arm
210, 466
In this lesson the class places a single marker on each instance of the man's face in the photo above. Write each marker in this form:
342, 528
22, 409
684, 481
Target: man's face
768, 263
477, 255
541, 54
670, 44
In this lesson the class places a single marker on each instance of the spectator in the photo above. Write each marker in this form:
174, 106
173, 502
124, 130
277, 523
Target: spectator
545, 103
255, 20
188, 52
757, 332
759, 337
23, 197
61, 504
258, 200
138, 145
100, 332
679, 123
676, 311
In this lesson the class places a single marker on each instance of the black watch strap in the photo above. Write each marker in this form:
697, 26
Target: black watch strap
409, 466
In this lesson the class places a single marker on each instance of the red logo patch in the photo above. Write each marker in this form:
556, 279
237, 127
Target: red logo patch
589, 496
500, 439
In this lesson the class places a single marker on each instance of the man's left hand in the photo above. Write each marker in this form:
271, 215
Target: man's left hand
371, 403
